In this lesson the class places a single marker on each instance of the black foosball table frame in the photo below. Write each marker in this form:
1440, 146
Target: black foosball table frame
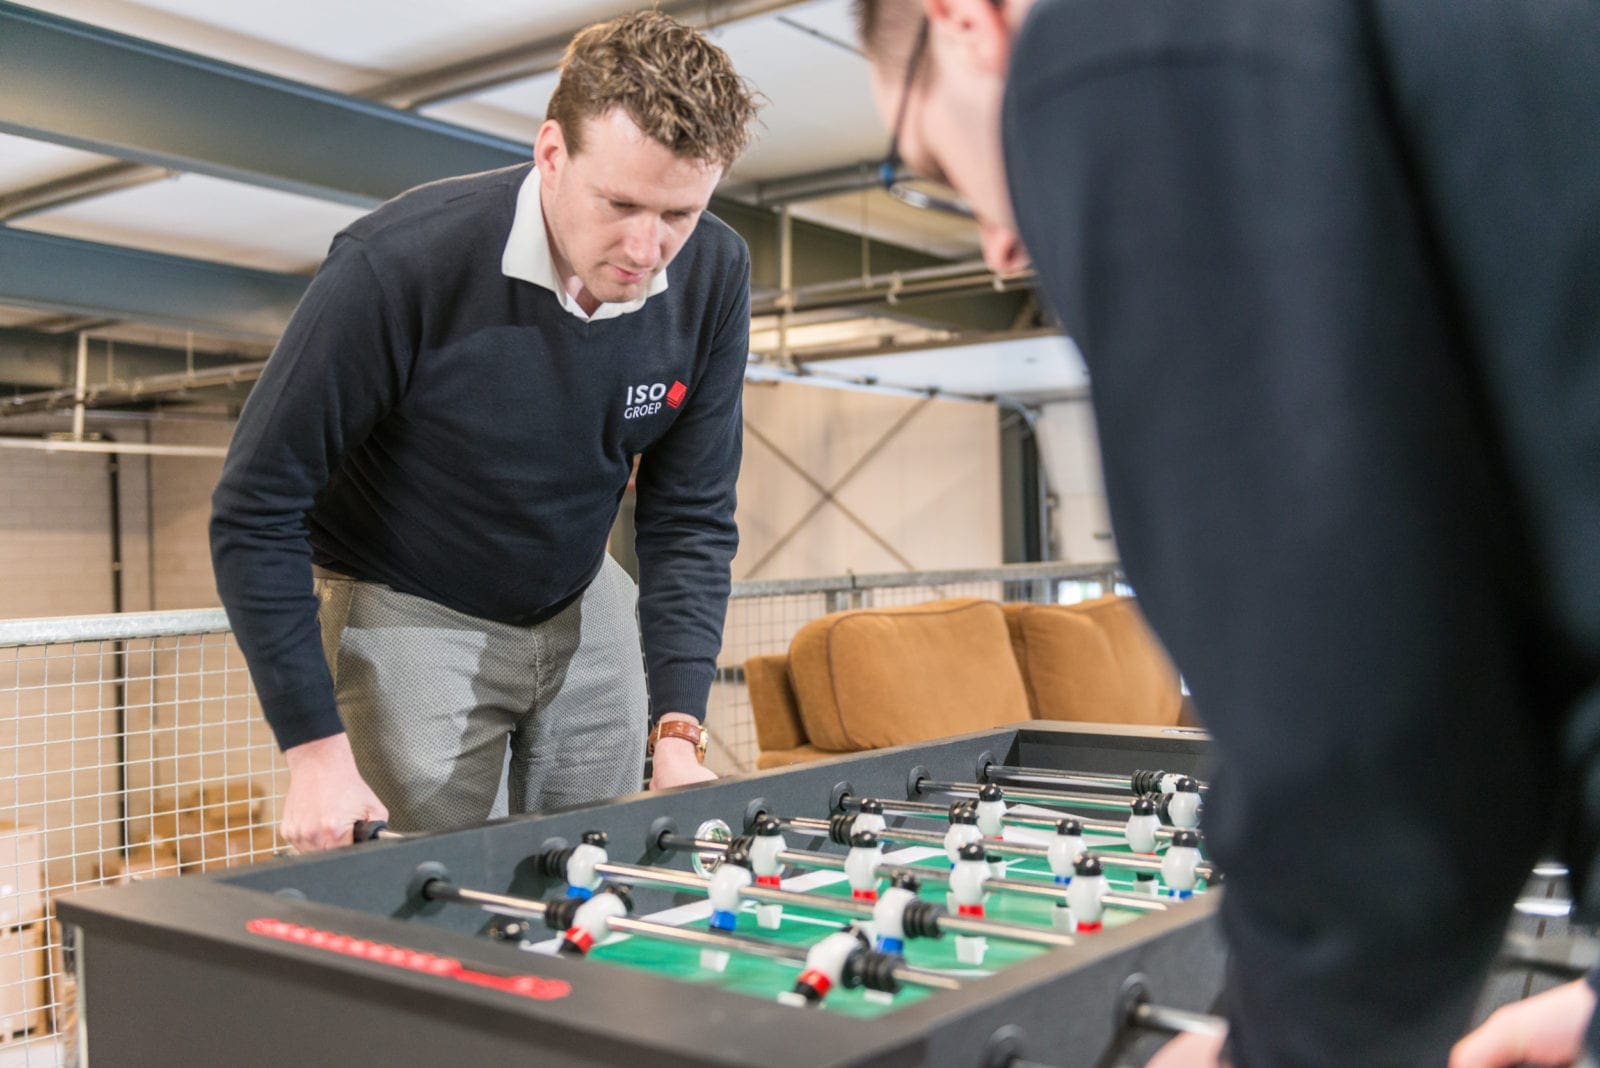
180, 971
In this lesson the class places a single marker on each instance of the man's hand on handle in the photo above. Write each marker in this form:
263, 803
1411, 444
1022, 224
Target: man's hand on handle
1546, 1029
326, 795
674, 762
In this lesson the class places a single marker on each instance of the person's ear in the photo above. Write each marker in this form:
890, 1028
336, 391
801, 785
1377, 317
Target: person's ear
549, 148
976, 29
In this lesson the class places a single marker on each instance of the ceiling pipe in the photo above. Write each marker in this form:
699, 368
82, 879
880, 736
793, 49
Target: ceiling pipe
813, 185
208, 452
893, 287
858, 385
60, 192
801, 357
140, 389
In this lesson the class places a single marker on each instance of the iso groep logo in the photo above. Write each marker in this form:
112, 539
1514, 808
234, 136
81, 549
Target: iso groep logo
648, 398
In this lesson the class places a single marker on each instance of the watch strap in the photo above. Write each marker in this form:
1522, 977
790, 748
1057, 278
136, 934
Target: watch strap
694, 733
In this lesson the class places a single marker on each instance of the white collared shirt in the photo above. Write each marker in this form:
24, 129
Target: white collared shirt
527, 257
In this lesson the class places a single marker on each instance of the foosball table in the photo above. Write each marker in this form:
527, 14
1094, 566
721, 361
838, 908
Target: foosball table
1036, 894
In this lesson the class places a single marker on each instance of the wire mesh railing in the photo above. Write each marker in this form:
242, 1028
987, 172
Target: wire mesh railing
132, 747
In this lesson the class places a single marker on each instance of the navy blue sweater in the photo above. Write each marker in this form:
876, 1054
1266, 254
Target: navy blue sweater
429, 423
1335, 269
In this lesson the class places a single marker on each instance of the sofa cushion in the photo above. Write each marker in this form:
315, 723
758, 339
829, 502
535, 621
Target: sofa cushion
889, 676
772, 704
1094, 662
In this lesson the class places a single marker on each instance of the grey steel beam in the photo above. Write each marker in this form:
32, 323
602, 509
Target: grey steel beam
78, 85
60, 274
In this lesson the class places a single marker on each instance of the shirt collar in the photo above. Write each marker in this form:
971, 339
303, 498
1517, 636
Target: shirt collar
527, 257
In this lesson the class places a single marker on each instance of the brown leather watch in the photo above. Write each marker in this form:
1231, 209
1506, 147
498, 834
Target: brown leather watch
677, 728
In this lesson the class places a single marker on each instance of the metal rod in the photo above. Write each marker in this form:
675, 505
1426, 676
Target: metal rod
933, 809
1549, 908
500, 904
506, 905
1133, 902
891, 290
1176, 1021
215, 452
682, 880
697, 936
1047, 799
1086, 780
803, 858
1126, 861
1061, 797
795, 955
785, 278
80, 386
860, 909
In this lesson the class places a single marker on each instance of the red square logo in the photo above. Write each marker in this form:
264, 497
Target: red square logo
676, 394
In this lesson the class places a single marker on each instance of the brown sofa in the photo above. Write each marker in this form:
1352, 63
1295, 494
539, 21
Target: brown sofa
875, 677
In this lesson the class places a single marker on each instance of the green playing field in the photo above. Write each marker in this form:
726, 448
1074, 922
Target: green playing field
765, 978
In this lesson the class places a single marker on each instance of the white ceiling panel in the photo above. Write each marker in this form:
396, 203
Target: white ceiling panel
512, 110
25, 162
205, 28
208, 219
345, 44
397, 36
1043, 366
818, 115
831, 18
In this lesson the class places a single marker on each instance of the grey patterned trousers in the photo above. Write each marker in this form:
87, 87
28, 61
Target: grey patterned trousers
443, 708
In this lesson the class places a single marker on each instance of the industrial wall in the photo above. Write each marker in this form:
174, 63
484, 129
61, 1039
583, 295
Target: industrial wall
832, 481
1070, 453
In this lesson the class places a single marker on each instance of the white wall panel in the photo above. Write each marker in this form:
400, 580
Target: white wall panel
1070, 451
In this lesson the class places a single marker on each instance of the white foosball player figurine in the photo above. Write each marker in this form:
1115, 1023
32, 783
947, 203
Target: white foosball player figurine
991, 811
825, 964
1184, 804
1062, 853
582, 881
1178, 866
1087, 894
889, 913
591, 924
764, 850
1141, 834
861, 865
727, 882
966, 886
963, 829
869, 817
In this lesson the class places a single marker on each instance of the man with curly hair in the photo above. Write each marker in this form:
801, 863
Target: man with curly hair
410, 531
